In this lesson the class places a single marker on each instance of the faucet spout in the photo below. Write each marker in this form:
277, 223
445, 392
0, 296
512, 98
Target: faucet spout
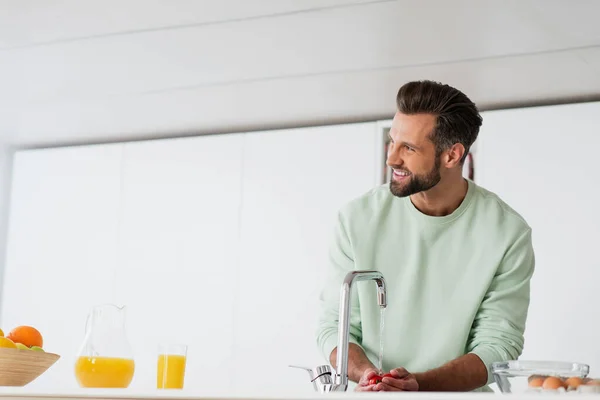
341, 376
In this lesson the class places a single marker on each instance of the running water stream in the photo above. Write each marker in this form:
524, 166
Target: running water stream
381, 326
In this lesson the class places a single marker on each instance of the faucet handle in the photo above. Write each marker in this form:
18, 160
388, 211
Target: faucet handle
315, 372
300, 367
320, 376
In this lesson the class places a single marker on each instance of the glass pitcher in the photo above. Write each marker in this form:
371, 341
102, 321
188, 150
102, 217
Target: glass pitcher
105, 359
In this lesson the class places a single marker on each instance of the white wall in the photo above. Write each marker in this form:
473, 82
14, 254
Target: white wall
178, 252
213, 241
543, 162
6, 156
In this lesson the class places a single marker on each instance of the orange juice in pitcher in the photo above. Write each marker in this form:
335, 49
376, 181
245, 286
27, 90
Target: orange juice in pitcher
104, 372
105, 359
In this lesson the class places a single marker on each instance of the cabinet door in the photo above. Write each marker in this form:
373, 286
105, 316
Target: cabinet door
61, 249
542, 162
294, 181
178, 254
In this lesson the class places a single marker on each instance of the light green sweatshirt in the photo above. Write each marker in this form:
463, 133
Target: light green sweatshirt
456, 284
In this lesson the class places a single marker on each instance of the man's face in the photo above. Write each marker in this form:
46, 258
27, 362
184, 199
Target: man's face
412, 155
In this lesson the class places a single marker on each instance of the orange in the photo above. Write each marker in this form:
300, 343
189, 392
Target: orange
27, 335
4, 342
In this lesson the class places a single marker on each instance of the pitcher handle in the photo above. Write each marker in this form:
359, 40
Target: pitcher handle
87, 322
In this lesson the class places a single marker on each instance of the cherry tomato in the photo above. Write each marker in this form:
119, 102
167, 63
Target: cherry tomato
375, 380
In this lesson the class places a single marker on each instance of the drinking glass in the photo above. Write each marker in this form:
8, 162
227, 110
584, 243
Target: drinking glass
170, 368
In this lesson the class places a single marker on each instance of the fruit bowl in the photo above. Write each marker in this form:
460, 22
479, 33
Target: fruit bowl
20, 367
543, 376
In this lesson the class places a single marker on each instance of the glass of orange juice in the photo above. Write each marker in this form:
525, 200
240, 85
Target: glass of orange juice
170, 368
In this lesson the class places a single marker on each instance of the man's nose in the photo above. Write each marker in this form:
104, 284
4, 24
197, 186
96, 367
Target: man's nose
394, 159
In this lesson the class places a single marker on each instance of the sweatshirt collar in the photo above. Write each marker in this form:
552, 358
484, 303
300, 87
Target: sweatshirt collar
446, 218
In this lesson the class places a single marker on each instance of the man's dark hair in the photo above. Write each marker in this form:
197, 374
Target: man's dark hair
458, 119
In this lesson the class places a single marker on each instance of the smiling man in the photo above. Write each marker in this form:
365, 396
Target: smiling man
456, 258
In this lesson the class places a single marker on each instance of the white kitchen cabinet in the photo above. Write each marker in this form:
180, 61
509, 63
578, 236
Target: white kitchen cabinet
543, 162
217, 242
178, 252
61, 248
294, 182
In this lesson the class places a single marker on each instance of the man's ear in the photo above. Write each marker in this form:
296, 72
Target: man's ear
453, 155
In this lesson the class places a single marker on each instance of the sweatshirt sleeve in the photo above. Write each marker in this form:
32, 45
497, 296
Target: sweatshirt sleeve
341, 261
498, 330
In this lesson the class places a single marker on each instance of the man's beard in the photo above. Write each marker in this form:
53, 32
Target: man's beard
417, 183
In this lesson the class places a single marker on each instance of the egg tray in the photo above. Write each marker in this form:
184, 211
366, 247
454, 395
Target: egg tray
584, 389
557, 384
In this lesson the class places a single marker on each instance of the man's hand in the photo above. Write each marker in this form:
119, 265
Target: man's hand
400, 381
363, 383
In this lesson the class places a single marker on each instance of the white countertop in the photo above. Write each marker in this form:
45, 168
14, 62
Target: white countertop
7, 393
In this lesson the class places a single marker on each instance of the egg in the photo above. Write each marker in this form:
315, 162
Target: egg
532, 377
573, 382
536, 381
553, 383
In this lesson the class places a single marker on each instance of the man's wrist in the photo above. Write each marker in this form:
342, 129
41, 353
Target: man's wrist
357, 371
423, 379
465, 373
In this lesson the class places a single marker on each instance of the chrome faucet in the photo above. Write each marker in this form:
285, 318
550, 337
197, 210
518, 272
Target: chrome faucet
321, 375
340, 381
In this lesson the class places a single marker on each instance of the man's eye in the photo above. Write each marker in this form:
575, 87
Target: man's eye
409, 148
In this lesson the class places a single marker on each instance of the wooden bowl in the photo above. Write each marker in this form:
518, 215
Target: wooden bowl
20, 367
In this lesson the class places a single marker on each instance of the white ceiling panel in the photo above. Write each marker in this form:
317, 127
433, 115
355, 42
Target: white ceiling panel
310, 100
373, 36
31, 22
94, 70
591, 57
